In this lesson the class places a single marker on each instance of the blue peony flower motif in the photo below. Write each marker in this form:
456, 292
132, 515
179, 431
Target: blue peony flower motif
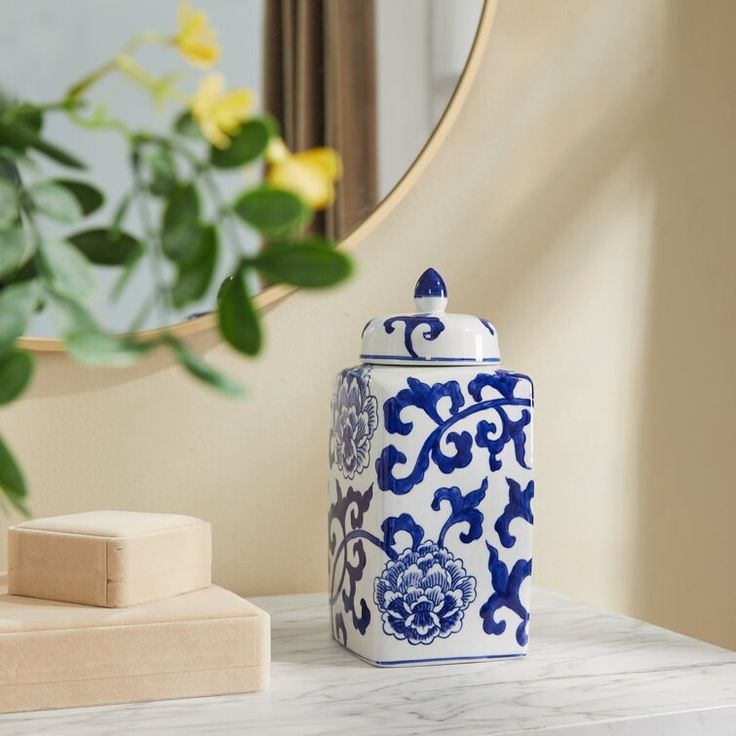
354, 422
423, 594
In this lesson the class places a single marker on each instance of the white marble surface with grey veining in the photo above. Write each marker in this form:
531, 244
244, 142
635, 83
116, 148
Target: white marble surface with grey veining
588, 673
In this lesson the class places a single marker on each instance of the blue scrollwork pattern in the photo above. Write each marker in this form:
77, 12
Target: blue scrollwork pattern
505, 594
434, 328
518, 507
347, 556
463, 509
491, 393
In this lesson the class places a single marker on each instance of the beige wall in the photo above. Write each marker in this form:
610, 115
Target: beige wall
586, 202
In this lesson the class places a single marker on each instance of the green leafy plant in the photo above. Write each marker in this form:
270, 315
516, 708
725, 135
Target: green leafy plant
184, 220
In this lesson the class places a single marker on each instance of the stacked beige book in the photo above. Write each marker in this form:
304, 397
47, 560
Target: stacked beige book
117, 606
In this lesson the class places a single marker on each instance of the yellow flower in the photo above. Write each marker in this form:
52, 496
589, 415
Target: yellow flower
219, 113
196, 38
310, 174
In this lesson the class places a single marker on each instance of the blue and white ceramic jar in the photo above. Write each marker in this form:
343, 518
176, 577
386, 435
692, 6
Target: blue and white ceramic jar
430, 491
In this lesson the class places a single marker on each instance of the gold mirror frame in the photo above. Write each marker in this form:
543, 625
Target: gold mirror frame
272, 295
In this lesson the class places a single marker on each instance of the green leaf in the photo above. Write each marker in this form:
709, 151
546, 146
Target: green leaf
17, 304
15, 151
272, 125
127, 273
311, 263
70, 272
21, 136
55, 202
28, 271
238, 320
8, 167
105, 247
202, 370
162, 166
16, 369
96, 348
245, 146
186, 126
272, 211
90, 345
11, 479
12, 250
193, 279
180, 228
8, 203
28, 115
69, 315
89, 198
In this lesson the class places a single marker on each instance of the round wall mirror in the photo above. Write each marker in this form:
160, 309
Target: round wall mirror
370, 78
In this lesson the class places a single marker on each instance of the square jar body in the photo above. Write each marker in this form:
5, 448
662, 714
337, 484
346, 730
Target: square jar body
430, 518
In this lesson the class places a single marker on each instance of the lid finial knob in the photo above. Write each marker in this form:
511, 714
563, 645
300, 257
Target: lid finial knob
430, 292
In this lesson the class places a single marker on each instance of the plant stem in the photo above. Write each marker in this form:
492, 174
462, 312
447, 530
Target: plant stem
158, 88
203, 171
137, 322
102, 122
224, 210
151, 235
78, 89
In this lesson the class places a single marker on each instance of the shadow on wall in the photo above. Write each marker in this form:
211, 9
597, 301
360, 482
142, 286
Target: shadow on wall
679, 128
687, 499
558, 270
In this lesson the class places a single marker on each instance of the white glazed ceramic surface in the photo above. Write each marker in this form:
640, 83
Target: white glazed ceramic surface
430, 517
430, 335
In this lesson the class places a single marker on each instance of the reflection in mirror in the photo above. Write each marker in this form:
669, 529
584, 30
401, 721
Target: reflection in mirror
370, 78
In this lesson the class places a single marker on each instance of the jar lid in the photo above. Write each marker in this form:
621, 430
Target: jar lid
430, 335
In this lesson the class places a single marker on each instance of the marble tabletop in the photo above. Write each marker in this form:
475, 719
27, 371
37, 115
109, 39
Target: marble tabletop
588, 673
